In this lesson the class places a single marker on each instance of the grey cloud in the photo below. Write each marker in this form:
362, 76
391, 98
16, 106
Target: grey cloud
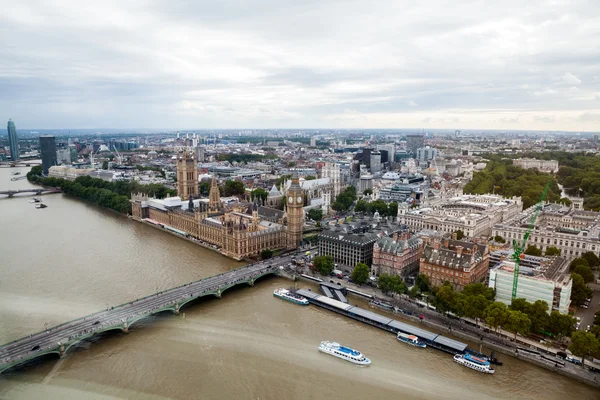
192, 64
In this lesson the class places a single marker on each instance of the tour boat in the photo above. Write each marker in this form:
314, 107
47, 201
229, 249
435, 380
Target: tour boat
40, 205
410, 339
289, 296
16, 173
343, 352
476, 363
35, 200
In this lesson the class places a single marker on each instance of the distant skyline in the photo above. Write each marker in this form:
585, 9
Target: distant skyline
136, 64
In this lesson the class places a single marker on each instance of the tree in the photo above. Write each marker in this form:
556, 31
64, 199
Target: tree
391, 283
259, 194
496, 315
422, 283
475, 306
579, 291
204, 188
104, 164
445, 298
538, 315
315, 214
361, 206
266, 254
233, 188
323, 264
518, 322
519, 304
459, 234
578, 261
595, 331
532, 250
393, 209
560, 324
310, 178
585, 272
553, 251
583, 344
597, 318
368, 191
474, 289
413, 292
592, 259
499, 239
360, 274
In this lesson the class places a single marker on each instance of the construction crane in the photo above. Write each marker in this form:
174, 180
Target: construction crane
519, 249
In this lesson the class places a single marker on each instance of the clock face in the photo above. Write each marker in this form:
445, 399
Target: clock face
299, 199
291, 199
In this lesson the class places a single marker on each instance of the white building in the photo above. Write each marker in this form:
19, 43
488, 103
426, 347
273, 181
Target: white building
333, 172
474, 215
552, 285
375, 162
63, 172
541, 165
365, 182
63, 156
573, 231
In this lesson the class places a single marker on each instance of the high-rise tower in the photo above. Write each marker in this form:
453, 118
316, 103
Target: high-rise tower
187, 176
295, 213
48, 150
13, 142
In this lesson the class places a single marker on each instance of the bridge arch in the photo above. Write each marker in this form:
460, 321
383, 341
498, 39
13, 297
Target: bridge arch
190, 299
30, 358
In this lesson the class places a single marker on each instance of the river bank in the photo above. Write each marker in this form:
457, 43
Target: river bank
501, 344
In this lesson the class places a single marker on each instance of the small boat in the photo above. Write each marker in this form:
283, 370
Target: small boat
290, 296
16, 173
410, 339
476, 363
35, 200
343, 352
40, 205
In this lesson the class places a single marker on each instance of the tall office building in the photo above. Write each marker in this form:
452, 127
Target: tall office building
13, 142
414, 142
375, 162
73, 152
48, 150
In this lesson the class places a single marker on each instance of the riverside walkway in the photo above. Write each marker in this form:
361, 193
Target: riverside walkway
60, 339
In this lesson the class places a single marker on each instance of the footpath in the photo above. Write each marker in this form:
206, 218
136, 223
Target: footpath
501, 341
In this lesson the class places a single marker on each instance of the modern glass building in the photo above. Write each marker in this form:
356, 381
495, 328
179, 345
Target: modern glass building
13, 142
48, 150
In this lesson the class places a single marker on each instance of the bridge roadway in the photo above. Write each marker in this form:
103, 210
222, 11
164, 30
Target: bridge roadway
38, 192
59, 339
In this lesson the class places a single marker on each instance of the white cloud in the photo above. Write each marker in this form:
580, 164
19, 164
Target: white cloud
570, 79
227, 64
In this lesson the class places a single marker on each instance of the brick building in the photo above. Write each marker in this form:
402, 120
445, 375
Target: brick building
455, 261
397, 255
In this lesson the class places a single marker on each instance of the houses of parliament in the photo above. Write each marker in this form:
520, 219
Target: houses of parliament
242, 230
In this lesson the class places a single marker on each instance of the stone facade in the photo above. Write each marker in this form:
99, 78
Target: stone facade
457, 262
187, 175
572, 231
475, 215
237, 232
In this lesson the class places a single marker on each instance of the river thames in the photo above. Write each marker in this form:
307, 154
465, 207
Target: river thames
73, 258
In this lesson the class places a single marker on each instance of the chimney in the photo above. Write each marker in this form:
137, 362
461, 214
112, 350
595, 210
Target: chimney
404, 235
459, 250
395, 236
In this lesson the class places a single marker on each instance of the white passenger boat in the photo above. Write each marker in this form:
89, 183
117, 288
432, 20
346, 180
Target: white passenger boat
289, 296
343, 352
410, 339
476, 363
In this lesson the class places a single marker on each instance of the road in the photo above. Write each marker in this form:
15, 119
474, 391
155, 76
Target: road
73, 331
587, 315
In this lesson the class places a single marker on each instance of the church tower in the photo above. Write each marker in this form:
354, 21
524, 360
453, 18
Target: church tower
295, 213
187, 176
214, 196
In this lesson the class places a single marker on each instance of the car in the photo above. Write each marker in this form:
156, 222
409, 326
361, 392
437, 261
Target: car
584, 306
36, 347
587, 329
339, 283
578, 318
96, 323
331, 281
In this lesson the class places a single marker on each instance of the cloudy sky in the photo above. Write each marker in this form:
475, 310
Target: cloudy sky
301, 64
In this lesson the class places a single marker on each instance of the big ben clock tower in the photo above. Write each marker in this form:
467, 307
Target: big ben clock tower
295, 213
